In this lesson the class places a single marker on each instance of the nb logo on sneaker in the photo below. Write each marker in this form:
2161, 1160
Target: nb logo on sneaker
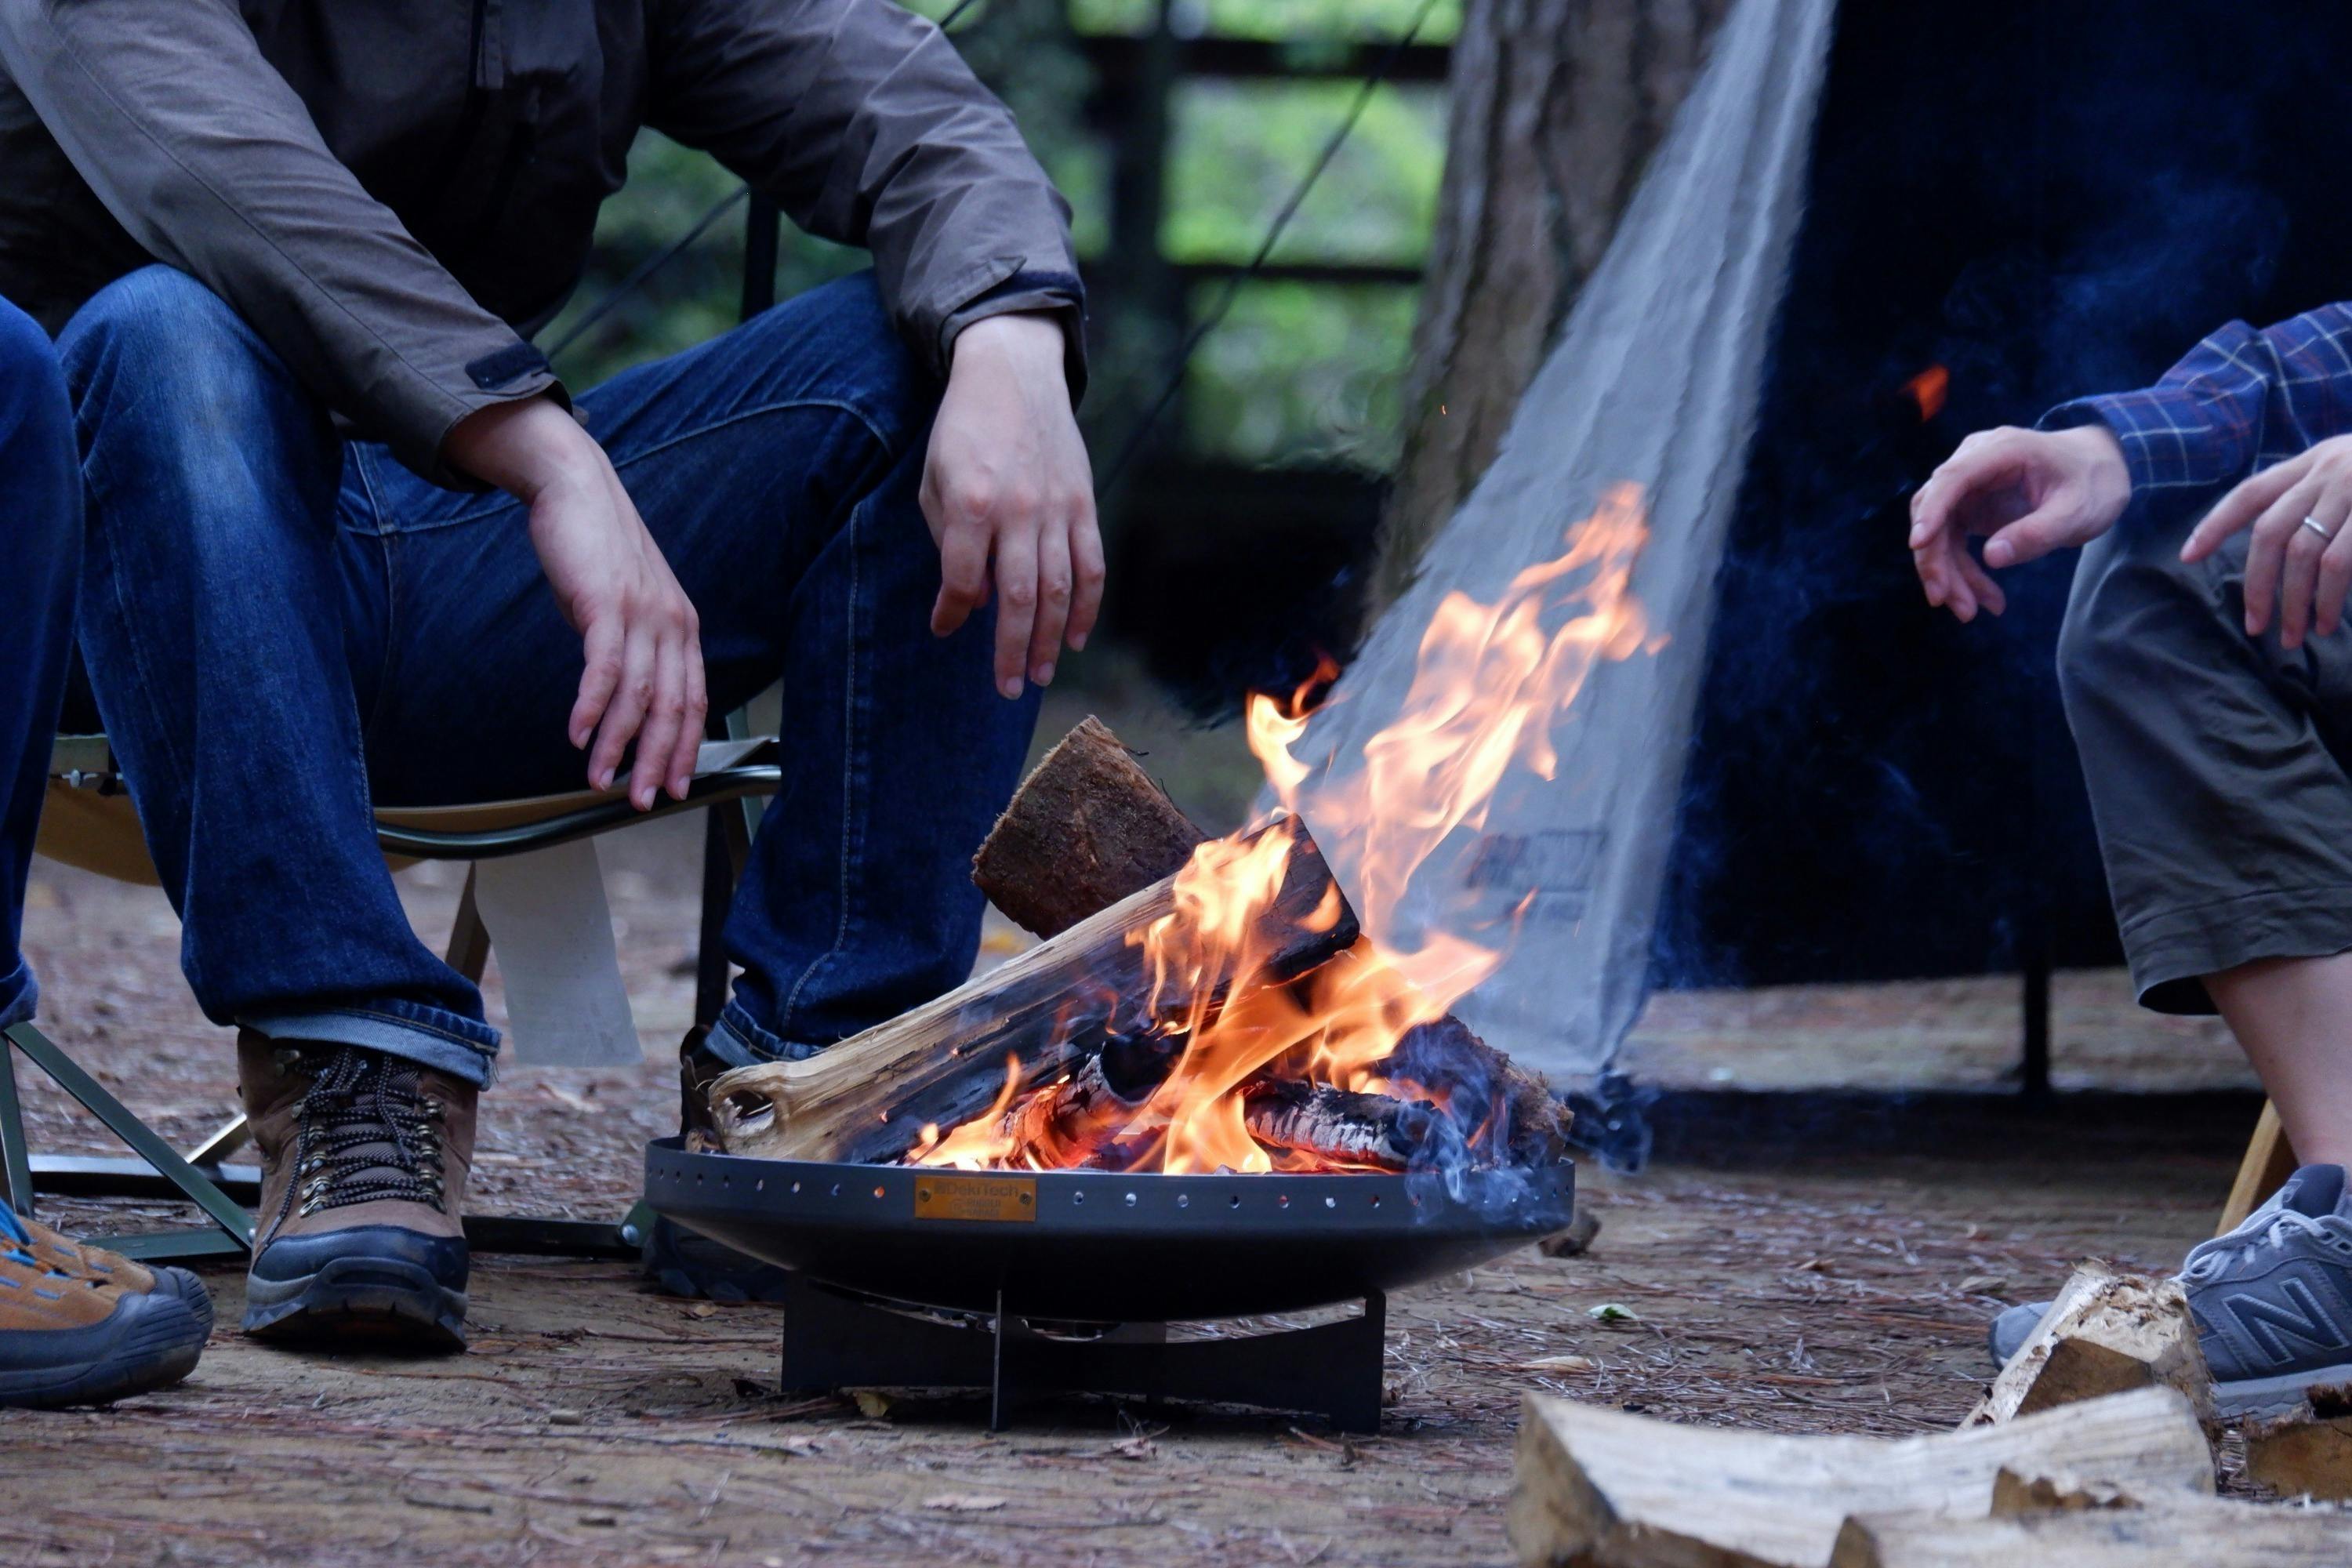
2299, 1317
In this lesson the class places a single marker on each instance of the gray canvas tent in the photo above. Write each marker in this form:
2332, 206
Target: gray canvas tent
1654, 382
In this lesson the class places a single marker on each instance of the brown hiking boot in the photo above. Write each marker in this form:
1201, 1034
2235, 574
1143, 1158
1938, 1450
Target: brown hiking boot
69, 1340
364, 1159
99, 1267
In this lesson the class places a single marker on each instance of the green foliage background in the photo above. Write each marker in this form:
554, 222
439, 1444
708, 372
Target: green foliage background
1298, 373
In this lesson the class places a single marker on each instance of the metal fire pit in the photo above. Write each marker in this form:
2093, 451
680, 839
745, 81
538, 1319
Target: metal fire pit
1017, 1254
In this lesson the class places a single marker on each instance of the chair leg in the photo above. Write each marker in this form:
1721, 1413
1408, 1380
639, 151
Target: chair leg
15, 1154
470, 939
2269, 1162
141, 1138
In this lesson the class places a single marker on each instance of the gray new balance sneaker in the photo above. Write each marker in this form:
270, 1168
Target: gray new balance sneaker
2273, 1299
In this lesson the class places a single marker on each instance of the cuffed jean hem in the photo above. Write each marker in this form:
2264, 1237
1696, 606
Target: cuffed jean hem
736, 1040
17, 995
2172, 952
471, 1056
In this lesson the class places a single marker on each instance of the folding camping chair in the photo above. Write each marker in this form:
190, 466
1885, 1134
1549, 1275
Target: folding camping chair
87, 822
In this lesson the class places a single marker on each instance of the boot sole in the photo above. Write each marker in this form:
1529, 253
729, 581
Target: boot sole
154, 1354
380, 1300
2275, 1395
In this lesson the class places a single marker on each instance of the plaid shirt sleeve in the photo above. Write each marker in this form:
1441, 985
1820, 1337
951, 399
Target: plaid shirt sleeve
2241, 401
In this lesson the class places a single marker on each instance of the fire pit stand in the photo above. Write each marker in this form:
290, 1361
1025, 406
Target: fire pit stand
913, 1278
837, 1339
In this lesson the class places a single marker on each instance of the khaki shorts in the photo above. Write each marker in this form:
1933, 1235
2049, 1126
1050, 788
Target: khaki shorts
2217, 766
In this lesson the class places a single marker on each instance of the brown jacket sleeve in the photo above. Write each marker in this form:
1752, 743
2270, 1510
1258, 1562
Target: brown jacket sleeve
206, 156
862, 122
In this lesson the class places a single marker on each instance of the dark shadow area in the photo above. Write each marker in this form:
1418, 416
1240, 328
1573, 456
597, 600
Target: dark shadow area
2045, 198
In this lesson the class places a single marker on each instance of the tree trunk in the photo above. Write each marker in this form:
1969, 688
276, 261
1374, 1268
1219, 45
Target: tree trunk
1556, 105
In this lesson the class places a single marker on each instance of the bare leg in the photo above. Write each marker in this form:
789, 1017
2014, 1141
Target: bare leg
2294, 1018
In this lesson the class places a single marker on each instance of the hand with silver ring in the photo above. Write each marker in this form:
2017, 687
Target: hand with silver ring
2299, 557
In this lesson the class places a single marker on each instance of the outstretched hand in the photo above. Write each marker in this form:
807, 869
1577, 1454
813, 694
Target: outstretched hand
2299, 561
1010, 499
640, 639
2031, 491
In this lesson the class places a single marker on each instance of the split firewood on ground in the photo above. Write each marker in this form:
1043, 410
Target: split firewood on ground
2207, 1532
1084, 856
2106, 1332
2306, 1452
1603, 1489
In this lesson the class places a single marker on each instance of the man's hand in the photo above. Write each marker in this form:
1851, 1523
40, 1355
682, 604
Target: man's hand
638, 633
1006, 484
2300, 569
2033, 492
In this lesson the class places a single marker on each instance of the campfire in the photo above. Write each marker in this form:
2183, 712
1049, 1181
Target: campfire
1211, 1005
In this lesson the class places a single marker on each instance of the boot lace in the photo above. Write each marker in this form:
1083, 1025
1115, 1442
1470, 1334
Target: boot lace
366, 1130
2266, 1227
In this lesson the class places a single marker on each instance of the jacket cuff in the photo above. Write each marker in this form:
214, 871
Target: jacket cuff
2167, 444
1031, 292
508, 375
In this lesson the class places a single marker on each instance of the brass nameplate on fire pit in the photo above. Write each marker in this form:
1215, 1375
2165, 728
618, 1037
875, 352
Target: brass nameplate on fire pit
976, 1197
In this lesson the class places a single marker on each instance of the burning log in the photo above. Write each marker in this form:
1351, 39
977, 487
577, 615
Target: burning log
1486, 1092
1069, 1124
868, 1099
1087, 828
1338, 1127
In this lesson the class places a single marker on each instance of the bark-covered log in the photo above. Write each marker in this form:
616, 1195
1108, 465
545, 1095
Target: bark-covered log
868, 1097
1088, 827
1555, 107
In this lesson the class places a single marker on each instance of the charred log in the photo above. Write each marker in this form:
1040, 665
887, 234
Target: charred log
1087, 828
1507, 1114
1072, 1124
1340, 1127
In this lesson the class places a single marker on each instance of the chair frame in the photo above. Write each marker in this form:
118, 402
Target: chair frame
729, 796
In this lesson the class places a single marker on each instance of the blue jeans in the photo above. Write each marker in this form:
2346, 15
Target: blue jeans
283, 627
40, 556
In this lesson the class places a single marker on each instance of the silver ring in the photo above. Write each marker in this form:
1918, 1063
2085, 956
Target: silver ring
2318, 528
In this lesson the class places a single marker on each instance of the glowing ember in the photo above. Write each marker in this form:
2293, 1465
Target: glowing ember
1927, 390
1211, 1049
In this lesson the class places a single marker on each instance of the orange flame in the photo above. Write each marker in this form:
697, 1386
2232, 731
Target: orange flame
1928, 389
1490, 682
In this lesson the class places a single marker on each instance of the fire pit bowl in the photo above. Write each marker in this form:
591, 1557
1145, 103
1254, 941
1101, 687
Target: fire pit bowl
1094, 1245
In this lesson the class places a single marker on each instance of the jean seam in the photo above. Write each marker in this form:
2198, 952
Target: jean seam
851, 796
181, 767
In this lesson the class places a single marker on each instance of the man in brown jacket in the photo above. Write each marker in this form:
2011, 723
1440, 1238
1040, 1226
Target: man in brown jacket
350, 539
